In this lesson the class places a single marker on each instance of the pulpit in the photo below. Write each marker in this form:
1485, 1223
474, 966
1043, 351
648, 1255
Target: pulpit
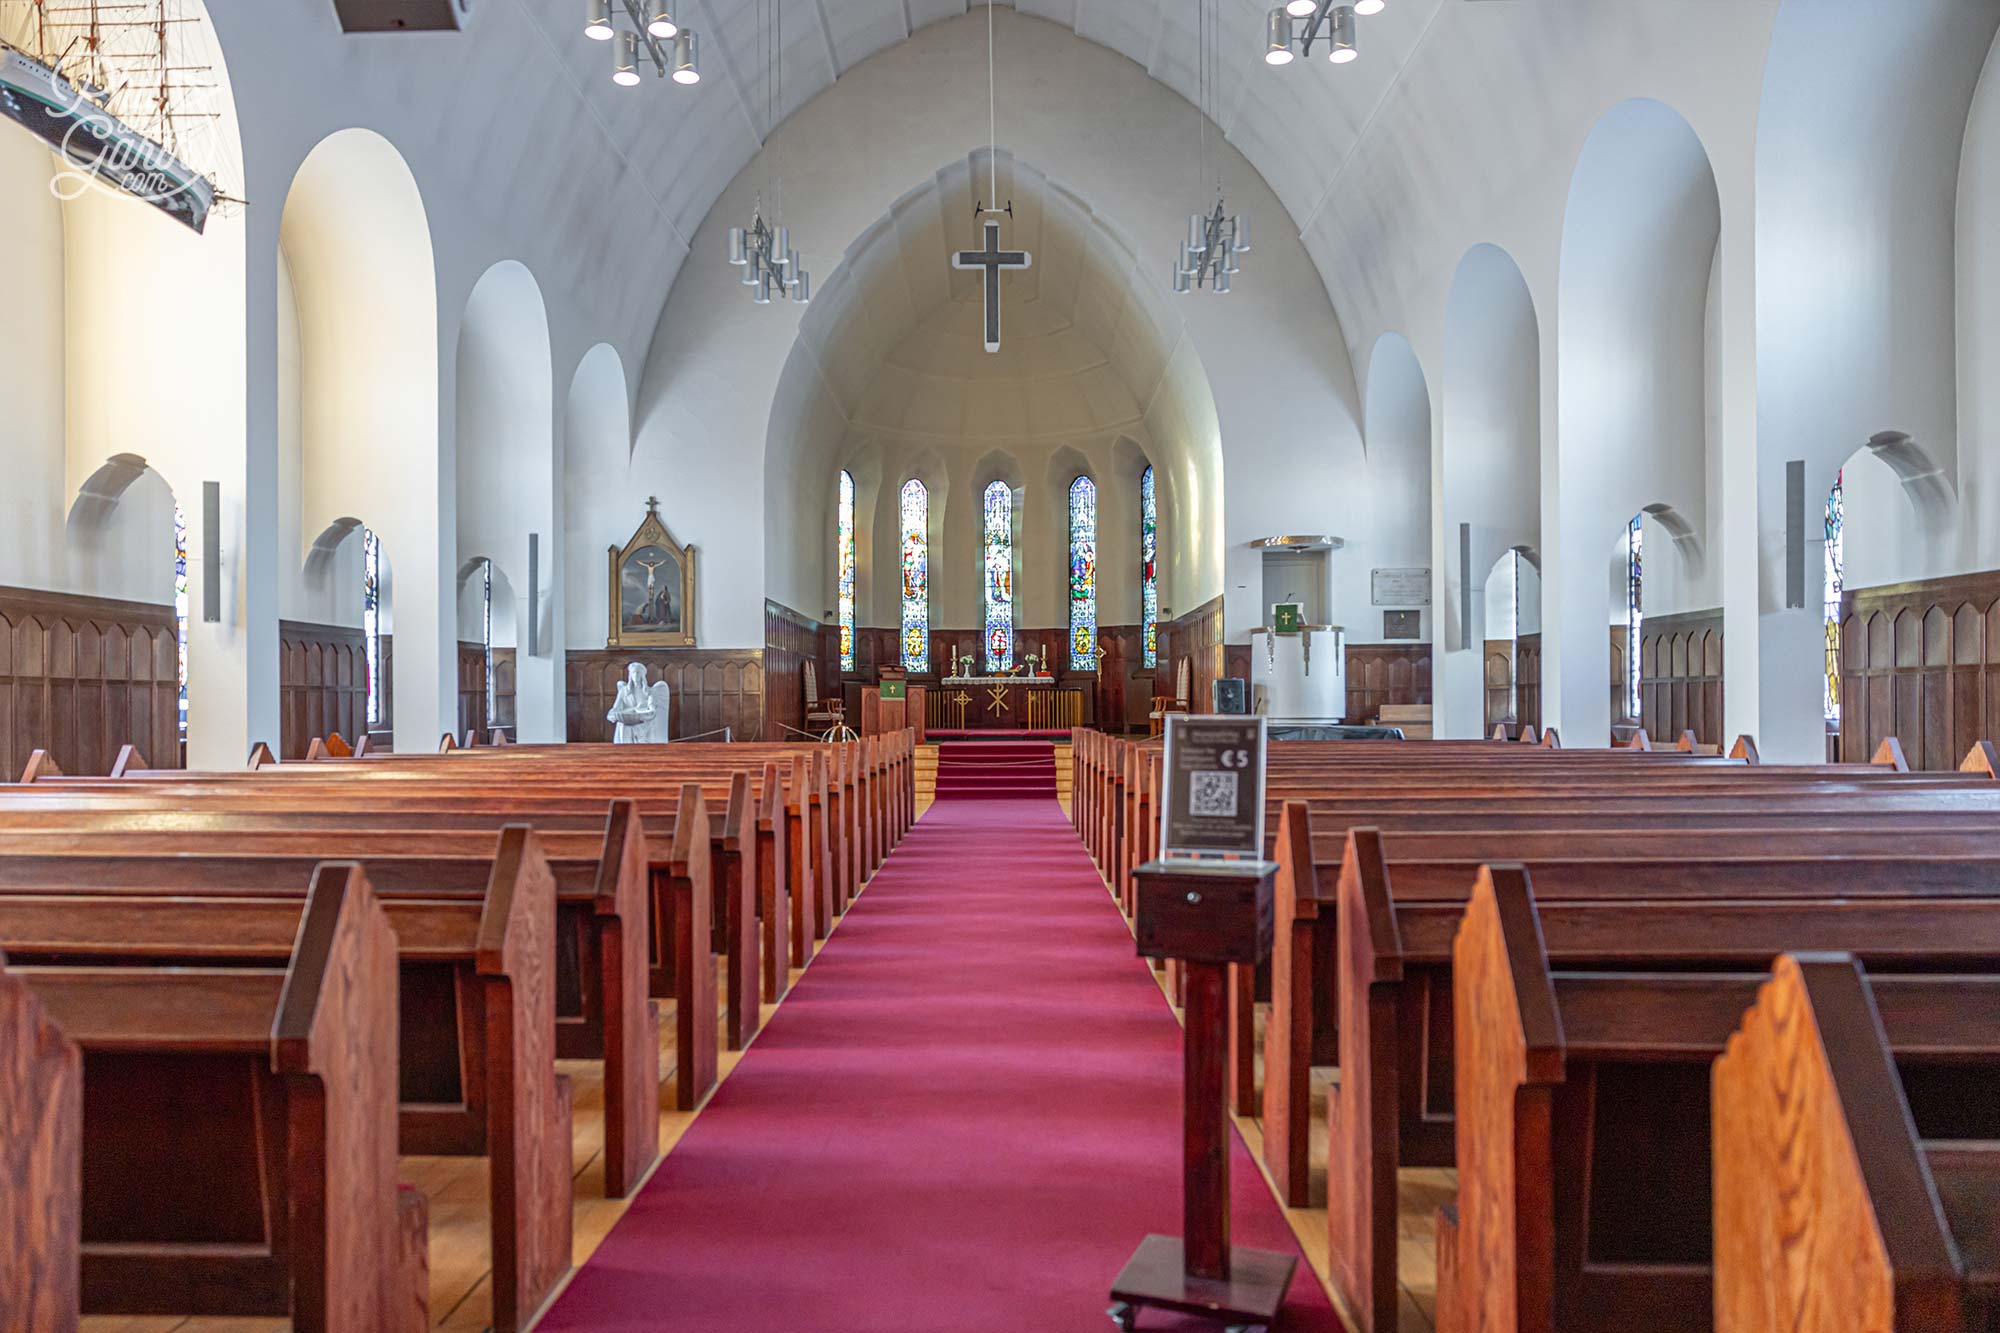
892, 704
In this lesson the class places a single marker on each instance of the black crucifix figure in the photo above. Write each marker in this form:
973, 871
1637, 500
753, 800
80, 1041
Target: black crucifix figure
992, 259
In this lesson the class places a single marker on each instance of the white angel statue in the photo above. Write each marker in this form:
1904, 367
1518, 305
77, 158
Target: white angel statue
640, 712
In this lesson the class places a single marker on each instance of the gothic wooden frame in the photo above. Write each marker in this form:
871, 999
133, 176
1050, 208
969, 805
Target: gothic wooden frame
651, 532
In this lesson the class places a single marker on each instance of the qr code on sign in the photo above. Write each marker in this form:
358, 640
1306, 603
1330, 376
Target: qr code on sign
1212, 794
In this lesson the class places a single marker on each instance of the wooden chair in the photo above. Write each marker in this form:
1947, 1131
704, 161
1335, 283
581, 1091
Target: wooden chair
1162, 705
824, 717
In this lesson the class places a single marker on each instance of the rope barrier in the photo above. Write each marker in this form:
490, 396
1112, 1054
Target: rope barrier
723, 732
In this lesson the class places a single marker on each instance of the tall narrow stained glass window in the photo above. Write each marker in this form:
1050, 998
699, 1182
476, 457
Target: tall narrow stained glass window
916, 511
998, 562
371, 619
181, 610
1083, 575
1836, 582
1149, 567
845, 544
1635, 537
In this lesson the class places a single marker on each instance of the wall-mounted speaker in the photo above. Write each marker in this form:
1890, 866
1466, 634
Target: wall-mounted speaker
400, 15
1795, 533
211, 552
534, 594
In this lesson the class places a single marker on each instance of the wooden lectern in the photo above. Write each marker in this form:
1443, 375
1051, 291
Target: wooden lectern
1208, 914
892, 705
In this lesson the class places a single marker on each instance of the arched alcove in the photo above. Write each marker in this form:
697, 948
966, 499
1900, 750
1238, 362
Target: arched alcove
507, 475
362, 416
597, 463
1639, 241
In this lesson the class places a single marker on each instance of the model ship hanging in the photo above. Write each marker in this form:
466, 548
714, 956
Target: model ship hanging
117, 90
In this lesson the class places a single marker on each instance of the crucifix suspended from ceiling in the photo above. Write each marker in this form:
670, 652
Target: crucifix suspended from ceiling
991, 258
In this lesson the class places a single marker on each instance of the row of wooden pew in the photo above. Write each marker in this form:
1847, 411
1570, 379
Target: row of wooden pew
1524, 962
228, 1001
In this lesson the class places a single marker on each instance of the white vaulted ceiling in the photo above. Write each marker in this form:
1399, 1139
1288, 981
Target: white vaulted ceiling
897, 334
1295, 124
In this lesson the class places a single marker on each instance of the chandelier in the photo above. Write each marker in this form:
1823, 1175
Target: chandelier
1330, 21
1215, 239
674, 51
763, 250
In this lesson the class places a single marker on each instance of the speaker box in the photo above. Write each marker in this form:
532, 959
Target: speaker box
1232, 695
400, 15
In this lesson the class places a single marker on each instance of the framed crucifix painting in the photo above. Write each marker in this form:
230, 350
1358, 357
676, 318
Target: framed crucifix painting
652, 588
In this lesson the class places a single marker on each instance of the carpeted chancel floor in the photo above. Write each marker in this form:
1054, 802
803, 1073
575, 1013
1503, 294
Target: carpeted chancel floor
964, 1118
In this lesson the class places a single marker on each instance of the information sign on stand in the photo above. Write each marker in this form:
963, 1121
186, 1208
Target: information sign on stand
1207, 901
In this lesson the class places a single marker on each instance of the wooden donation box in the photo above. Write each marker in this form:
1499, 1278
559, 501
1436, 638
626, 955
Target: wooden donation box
1208, 901
1208, 914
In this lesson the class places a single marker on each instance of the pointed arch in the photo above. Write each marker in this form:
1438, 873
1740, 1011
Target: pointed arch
1083, 574
915, 522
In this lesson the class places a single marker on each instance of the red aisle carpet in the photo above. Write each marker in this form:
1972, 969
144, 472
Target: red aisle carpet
964, 1118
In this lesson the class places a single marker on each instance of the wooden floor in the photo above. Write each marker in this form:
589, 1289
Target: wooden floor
456, 1186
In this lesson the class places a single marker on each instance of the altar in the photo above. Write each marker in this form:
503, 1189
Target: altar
1005, 703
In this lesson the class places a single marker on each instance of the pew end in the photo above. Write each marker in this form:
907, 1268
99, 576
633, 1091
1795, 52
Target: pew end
1444, 1230
261, 757
690, 883
129, 760
1983, 759
41, 1180
1508, 1060
1889, 754
631, 1022
1826, 1214
1745, 749
1640, 741
41, 764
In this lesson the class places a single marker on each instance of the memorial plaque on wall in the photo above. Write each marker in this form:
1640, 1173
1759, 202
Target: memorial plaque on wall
1213, 804
1399, 587
1402, 624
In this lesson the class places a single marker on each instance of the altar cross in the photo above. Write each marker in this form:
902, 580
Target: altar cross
992, 259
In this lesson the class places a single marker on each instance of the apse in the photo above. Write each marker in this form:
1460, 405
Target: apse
889, 380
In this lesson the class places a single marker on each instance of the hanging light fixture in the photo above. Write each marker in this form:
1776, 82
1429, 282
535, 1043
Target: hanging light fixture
1208, 256
1342, 50
625, 60
763, 250
687, 64
653, 31
1278, 42
1293, 30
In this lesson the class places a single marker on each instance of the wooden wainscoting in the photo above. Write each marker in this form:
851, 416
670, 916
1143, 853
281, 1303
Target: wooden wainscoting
322, 684
471, 660
1921, 662
1528, 680
1386, 673
790, 641
712, 688
1680, 676
1198, 637
81, 676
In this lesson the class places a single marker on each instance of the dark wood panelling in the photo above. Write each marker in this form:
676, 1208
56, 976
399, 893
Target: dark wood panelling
1680, 676
1198, 637
471, 687
1386, 673
712, 688
82, 676
1920, 662
790, 641
1528, 680
322, 684
1124, 681
1499, 670
504, 660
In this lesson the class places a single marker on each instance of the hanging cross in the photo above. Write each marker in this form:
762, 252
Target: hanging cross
992, 259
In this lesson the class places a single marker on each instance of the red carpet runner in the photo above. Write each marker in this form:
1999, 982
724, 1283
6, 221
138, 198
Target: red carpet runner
996, 770
964, 1118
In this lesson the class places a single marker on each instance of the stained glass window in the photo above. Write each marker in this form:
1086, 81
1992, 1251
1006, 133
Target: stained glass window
998, 503
181, 609
1149, 567
371, 620
1083, 575
1836, 523
845, 553
916, 506
1634, 617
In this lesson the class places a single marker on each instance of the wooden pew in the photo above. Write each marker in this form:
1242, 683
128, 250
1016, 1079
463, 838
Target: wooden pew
477, 1057
1833, 1209
41, 1133
280, 1085
1584, 1180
